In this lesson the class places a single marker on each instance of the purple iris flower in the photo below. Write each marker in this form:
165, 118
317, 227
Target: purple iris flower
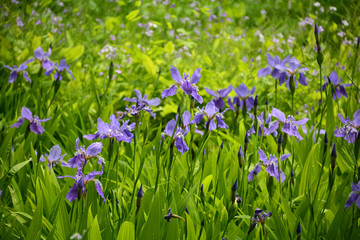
142, 103
275, 66
59, 70
259, 217
211, 112
354, 196
139, 99
219, 96
43, 57
350, 130
244, 98
339, 88
79, 161
261, 124
188, 86
16, 70
83, 155
113, 130
271, 165
77, 190
294, 67
135, 111
35, 122
54, 156
290, 125
180, 133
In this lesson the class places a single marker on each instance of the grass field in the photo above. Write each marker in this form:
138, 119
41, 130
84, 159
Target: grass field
179, 119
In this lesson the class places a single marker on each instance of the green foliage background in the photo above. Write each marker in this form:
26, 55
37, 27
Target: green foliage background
33, 203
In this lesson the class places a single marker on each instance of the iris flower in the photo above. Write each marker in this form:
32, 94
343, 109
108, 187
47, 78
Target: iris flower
354, 196
290, 125
139, 99
54, 156
261, 124
219, 96
43, 57
81, 158
81, 180
350, 130
259, 217
35, 122
142, 103
210, 112
187, 85
339, 88
291, 71
21, 69
275, 66
244, 97
83, 155
271, 165
180, 133
113, 130
59, 70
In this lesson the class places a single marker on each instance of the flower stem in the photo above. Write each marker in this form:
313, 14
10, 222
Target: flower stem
321, 99
276, 83
169, 168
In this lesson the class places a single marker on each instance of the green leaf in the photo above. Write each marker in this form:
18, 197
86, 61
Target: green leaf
190, 227
149, 65
152, 226
127, 231
4, 181
94, 232
73, 53
35, 228
132, 15
305, 175
169, 47
44, 3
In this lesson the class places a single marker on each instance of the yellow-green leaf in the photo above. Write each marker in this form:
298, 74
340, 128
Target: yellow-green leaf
73, 53
149, 65
127, 231
132, 15
169, 47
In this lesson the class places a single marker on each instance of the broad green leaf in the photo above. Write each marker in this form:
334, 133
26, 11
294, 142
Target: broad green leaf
132, 15
35, 228
127, 231
169, 47
149, 65
73, 53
